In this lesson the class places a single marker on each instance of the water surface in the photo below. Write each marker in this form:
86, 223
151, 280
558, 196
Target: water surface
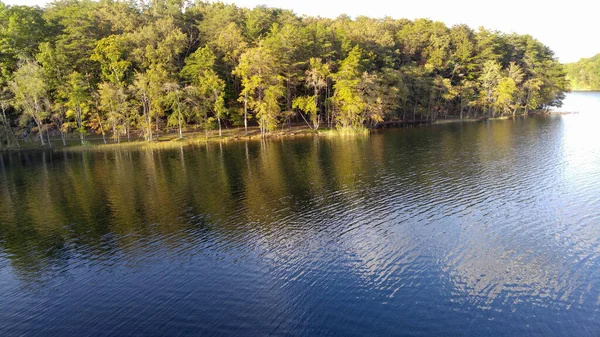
476, 229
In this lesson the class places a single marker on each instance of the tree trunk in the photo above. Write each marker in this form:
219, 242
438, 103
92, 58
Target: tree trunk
246, 113
41, 133
415, 110
327, 111
316, 121
148, 122
288, 96
101, 128
219, 120
180, 129
7, 126
80, 125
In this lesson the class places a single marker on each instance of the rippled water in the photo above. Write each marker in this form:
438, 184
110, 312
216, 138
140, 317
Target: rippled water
479, 229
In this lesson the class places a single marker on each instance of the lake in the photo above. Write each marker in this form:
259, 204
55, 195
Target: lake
476, 229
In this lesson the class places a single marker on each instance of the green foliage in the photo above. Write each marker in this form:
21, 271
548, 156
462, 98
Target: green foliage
584, 74
22, 29
383, 93
30, 94
77, 97
205, 86
113, 104
159, 42
116, 67
505, 94
349, 103
489, 79
308, 104
55, 65
109, 53
77, 27
174, 102
196, 64
262, 85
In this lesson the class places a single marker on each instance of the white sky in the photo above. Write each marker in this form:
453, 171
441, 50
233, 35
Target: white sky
569, 28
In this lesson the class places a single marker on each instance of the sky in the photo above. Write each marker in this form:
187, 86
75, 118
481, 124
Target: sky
567, 27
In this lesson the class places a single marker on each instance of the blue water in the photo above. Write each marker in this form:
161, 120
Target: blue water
475, 229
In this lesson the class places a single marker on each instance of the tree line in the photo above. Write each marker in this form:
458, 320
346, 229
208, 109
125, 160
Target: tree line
584, 74
134, 69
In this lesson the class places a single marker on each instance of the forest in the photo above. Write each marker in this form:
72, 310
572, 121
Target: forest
584, 74
128, 70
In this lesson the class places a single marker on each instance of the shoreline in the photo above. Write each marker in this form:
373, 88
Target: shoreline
170, 140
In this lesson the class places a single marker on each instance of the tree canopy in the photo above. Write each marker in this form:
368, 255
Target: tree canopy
113, 68
584, 74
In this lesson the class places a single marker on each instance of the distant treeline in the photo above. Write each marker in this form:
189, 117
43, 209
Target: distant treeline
120, 67
584, 74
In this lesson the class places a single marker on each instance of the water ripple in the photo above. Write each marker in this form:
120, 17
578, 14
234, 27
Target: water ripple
478, 229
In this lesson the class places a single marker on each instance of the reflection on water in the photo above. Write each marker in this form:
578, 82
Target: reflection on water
477, 229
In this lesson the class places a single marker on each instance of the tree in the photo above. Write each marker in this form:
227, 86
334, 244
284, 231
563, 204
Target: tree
77, 97
347, 98
158, 43
174, 101
57, 119
504, 94
157, 76
208, 86
77, 28
109, 54
198, 109
113, 104
213, 89
22, 29
30, 93
316, 78
141, 90
287, 44
584, 74
230, 43
55, 65
489, 79
5, 100
157, 47
532, 94
308, 104
259, 20
262, 86
196, 64
131, 61
383, 94
515, 73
